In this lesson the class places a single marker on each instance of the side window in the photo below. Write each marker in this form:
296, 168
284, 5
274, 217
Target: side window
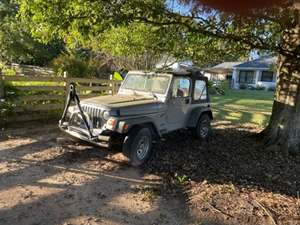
267, 76
181, 88
200, 92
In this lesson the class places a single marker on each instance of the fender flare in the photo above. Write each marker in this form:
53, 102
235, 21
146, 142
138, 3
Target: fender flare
141, 122
196, 114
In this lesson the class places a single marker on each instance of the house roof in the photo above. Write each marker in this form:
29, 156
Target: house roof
224, 67
260, 63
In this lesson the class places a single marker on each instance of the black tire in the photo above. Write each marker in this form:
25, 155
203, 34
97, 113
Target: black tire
137, 145
203, 129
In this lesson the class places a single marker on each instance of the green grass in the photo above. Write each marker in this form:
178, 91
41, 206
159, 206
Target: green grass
243, 106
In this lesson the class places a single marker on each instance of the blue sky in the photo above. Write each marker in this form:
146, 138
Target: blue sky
177, 7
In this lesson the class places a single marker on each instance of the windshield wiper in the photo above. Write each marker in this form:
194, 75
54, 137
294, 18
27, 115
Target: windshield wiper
154, 95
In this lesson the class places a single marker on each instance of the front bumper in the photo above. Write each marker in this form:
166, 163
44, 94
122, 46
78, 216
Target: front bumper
82, 134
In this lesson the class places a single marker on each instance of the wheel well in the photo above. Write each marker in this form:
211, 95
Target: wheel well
148, 125
209, 113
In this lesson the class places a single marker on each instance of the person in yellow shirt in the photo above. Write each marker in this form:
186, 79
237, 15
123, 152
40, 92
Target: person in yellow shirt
117, 76
120, 75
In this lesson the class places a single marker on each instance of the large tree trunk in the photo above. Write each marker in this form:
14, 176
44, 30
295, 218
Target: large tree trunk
284, 125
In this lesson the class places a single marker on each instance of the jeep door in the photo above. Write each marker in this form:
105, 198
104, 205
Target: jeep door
178, 103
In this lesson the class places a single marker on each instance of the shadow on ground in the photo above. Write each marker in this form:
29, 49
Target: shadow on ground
42, 182
233, 155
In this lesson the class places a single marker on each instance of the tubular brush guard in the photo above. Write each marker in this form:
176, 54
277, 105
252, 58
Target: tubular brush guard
73, 97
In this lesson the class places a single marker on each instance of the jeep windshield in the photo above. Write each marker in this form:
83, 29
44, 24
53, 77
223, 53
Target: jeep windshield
147, 83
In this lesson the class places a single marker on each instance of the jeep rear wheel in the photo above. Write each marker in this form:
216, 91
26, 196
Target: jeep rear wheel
137, 145
203, 129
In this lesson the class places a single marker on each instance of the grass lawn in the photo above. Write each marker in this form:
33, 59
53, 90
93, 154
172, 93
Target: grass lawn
243, 106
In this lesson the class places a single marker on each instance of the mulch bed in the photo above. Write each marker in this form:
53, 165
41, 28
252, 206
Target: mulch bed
233, 177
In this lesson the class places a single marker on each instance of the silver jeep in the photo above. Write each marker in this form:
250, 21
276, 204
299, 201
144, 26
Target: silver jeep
147, 106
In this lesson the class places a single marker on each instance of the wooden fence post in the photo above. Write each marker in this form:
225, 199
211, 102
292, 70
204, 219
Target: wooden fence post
116, 87
67, 84
2, 87
111, 85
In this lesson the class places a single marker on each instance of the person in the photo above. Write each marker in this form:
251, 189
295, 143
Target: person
117, 76
120, 75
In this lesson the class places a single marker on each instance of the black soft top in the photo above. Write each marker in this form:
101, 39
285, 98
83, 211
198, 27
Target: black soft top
190, 72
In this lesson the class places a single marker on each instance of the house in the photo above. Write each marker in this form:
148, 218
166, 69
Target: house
258, 73
222, 71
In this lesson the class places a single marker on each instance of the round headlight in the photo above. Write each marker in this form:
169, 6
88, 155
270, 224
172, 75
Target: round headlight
106, 115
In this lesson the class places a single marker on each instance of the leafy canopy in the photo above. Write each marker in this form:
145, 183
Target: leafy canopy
16, 43
142, 31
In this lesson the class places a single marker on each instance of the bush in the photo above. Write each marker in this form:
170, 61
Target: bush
80, 64
243, 86
212, 90
271, 88
217, 88
225, 85
260, 88
5, 70
74, 66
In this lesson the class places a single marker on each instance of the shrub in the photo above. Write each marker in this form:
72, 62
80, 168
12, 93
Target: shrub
210, 83
74, 66
212, 90
260, 88
243, 86
225, 85
80, 64
271, 88
5, 70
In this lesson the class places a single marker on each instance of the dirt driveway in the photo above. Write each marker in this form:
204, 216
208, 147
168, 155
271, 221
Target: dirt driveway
231, 180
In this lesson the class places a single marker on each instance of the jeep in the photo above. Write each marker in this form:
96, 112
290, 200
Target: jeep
147, 106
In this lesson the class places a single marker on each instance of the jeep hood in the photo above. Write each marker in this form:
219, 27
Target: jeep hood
128, 105
117, 101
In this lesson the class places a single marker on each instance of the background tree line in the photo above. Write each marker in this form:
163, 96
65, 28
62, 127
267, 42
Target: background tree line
84, 48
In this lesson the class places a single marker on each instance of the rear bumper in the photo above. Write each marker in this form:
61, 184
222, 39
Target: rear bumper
82, 134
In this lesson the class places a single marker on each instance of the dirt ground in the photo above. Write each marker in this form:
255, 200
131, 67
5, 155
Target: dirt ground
232, 179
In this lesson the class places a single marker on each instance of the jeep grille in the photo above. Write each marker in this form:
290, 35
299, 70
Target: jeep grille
94, 114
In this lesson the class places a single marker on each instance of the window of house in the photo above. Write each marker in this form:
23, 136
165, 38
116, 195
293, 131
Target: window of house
229, 77
200, 92
181, 87
246, 76
267, 76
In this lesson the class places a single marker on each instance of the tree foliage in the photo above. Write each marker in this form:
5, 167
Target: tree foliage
16, 42
82, 19
136, 33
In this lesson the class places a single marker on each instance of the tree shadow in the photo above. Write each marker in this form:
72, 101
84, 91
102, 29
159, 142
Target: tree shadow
242, 116
232, 155
90, 193
85, 191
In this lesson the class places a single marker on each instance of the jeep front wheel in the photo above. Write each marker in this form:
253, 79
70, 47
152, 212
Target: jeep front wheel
203, 128
137, 145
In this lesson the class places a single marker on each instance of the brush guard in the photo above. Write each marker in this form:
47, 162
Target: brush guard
73, 97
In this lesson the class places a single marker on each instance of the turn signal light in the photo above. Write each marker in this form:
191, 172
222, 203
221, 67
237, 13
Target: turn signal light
125, 127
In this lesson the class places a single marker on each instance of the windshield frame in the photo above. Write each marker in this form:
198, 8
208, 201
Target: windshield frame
122, 88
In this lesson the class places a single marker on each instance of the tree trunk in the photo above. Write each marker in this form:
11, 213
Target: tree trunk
284, 125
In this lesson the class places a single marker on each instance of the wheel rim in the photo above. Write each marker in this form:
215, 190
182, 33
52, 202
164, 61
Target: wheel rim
204, 128
143, 147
